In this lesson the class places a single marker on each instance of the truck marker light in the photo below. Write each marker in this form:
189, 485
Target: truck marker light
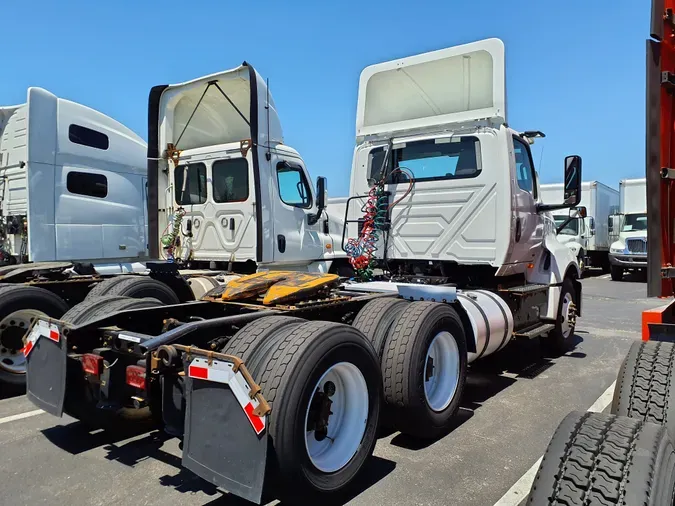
223, 372
136, 376
92, 364
41, 329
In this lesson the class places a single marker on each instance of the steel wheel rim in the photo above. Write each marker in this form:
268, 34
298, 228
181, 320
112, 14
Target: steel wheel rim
347, 421
12, 359
441, 371
565, 323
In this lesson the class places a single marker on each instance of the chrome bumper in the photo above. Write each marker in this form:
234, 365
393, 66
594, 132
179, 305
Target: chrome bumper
634, 261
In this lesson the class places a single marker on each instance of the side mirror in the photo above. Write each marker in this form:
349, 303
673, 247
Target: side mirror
321, 193
321, 200
572, 195
572, 188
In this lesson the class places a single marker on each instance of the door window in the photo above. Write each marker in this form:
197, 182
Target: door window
193, 189
293, 187
230, 180
86, 183
524, 166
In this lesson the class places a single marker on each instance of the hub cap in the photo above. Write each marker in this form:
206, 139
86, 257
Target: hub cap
336, 417
568, 315
441, 371
12, 329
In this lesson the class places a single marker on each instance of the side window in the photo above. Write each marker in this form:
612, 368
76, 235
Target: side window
524, 166
190, 190
88, 137
85, 183
293, 186
230, 180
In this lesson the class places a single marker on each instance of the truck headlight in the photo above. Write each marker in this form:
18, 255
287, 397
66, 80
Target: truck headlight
617, 250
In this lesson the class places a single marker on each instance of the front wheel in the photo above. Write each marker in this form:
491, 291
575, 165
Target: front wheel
616, 273
559, 340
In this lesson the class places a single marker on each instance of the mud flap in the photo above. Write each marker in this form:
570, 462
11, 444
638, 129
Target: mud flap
46, 369
220, 444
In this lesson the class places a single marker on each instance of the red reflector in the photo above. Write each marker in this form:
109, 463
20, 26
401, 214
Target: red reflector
92, 364
136, 376
198, 372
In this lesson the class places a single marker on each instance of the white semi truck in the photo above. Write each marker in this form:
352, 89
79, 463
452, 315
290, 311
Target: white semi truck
629, 229
281, 372
588, 237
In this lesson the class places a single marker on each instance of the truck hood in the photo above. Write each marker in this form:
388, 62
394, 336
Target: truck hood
456, 85
564, 238
220, 108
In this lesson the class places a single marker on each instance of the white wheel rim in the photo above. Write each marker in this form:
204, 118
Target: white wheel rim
11, 349
441, 371
565, 323
346, 423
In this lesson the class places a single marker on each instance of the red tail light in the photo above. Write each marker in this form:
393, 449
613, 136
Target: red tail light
136, 376
92, 364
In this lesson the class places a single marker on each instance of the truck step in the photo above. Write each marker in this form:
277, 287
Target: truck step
525, 289
536, 331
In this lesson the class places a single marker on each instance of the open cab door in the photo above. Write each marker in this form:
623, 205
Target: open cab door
206, 137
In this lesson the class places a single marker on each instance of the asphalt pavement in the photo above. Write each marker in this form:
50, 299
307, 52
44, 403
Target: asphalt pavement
513, 404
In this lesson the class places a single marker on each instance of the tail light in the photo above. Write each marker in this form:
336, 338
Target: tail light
92, 364
136, 376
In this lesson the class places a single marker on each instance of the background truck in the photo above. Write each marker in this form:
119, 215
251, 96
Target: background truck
628, 229
280, 375
628, 456
587, 237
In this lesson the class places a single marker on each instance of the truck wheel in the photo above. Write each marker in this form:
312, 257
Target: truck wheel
324, 385
616, 272
19, 304
97, 307
643, 387
424, 368
559, 340
594, 458
376, 318
254, 335
137, 287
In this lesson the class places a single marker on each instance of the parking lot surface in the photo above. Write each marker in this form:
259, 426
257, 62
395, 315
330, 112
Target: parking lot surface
513, 403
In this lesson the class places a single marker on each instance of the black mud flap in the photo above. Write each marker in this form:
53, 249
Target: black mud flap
220, 444
46, 373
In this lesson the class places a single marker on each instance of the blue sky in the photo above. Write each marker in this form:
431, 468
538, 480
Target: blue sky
575, 69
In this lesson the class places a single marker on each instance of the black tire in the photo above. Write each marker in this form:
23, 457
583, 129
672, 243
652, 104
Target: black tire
249, 338
601, 459
97, 307
15, 298
404, 366
288, 377
376, 318
644, 389
616, 272
556, 342
137, 287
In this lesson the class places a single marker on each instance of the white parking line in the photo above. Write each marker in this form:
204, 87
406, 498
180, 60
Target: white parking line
20, 416
518, 492
605, 276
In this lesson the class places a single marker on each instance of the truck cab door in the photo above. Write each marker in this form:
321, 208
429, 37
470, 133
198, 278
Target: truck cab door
527, 232
298, 240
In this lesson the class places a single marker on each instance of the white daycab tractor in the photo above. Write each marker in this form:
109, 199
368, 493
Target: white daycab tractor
283, 373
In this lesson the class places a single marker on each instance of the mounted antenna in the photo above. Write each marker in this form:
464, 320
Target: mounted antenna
267, 107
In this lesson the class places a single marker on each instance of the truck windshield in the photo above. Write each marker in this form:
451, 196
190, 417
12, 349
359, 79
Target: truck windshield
572, 228
634, 222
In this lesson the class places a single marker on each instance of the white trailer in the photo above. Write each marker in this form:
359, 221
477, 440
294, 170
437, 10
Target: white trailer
587, 237
443, 198
628, 229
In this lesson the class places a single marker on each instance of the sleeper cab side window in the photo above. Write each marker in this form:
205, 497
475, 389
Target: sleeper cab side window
293, 186
87, 184
190, 184
230, 180
524, 166
428, 160
88, 137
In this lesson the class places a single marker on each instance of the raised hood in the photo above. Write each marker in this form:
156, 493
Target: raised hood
221, 108
454, 85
